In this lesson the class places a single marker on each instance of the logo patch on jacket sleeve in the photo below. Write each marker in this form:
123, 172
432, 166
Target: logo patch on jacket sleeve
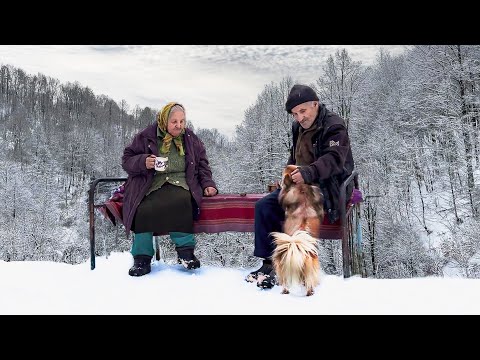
334, 143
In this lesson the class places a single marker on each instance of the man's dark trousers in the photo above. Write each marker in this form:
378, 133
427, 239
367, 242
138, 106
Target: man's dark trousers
269, 217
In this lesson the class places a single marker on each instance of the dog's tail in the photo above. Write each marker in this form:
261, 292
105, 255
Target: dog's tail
295, 259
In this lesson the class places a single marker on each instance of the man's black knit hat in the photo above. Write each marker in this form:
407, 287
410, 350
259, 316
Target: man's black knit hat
298, 95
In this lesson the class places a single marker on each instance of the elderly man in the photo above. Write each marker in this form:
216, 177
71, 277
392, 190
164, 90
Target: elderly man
321, 147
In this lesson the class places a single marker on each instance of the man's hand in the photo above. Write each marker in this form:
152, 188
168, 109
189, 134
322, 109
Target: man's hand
297, 177
210, 191
150, 161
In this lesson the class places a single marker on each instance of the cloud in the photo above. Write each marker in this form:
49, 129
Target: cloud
216, 83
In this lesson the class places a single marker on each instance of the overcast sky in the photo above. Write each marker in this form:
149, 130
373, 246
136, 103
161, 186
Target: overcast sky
44, 287
216, 83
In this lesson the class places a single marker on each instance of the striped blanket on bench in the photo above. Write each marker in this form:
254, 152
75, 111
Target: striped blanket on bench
225, 212
220, 213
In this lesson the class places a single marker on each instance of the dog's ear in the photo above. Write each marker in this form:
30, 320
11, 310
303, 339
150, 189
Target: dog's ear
287, 176
284, 189
286, 181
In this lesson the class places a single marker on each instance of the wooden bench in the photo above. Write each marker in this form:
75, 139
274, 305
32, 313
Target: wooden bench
235, 212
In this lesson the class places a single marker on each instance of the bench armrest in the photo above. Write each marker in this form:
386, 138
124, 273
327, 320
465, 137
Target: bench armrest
343, 196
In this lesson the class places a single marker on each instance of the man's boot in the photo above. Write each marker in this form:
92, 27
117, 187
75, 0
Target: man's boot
265, 269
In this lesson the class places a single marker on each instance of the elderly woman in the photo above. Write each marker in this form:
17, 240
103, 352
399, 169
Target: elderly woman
166, 200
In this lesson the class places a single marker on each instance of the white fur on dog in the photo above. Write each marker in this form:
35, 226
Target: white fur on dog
296, 259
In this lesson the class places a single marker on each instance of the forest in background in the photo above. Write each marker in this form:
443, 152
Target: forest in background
413, 121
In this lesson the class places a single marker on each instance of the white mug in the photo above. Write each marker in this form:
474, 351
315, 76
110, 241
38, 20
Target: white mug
161, 163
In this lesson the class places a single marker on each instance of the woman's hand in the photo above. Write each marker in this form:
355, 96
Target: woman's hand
150, 161
210, 191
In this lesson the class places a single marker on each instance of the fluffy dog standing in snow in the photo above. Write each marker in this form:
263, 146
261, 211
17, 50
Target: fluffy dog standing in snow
295, 258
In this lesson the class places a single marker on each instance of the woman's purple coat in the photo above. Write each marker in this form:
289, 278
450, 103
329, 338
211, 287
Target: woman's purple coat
197, 170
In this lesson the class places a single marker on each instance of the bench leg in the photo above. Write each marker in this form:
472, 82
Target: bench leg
157, 248
346, 257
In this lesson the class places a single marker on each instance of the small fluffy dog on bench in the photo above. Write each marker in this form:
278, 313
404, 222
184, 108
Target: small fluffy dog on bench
295, 258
